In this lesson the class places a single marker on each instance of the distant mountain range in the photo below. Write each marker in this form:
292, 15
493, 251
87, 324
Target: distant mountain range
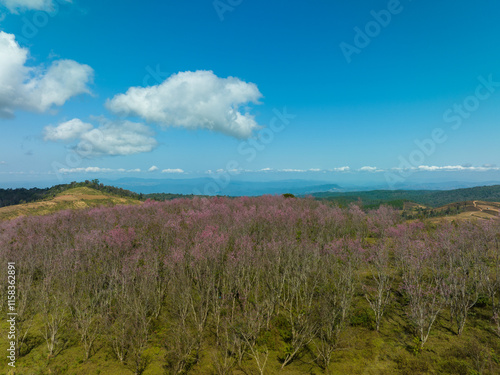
142, 189
210, 186
236, 187
433, 198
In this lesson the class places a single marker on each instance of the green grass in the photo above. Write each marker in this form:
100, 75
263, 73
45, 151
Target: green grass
362, 350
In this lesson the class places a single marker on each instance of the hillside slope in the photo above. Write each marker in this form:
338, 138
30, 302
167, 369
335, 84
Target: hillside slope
430, 198
11, 197
75, 198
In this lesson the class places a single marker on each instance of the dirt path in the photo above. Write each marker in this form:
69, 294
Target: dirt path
79, 197
475, 205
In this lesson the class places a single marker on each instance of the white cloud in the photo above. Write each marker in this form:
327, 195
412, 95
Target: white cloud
120, 138
2, 162
15, 5
450, 168
67, 131
13, 173
429, 168
370, 169
454, 168
63, 80
110, 138
86, 170
292, 170
97, 170
341, 169
35, 88
172, 171
193, 100
153, 168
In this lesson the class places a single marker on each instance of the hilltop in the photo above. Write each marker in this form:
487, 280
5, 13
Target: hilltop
70, 198
9, 197
466, 210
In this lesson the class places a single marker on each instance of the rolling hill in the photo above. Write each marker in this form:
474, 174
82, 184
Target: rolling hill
430, 198
10, 197
72, 198
425, 203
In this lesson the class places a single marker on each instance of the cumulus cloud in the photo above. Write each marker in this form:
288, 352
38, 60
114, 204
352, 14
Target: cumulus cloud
16, 5
193, 100
153, 168
37, 88
110, 138
67, 131
177, 170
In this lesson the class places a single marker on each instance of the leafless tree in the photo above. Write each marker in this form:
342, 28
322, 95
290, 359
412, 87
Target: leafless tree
379, 296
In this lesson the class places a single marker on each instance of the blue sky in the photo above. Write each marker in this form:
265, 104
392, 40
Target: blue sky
184, 89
